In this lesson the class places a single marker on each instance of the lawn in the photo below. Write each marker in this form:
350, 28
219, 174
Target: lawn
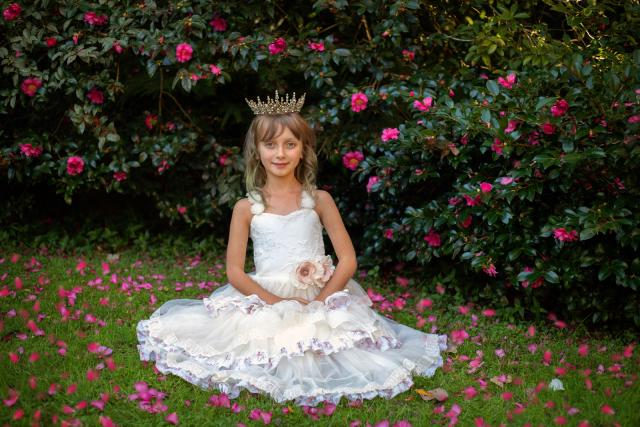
68, 355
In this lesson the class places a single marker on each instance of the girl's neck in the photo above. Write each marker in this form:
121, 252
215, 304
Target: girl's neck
282, 186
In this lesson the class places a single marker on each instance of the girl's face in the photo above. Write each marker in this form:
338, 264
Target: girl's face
281, 155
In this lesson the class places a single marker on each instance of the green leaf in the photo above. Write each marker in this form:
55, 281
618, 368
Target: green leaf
587, 233
493, 87
542, 102
552, 277
486, 116
152, 67
577, 61
567, 146
186, 84
343, 52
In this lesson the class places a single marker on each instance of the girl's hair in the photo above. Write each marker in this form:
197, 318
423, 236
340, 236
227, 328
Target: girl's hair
265, 127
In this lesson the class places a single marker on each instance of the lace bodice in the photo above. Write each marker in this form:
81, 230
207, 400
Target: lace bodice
280, 242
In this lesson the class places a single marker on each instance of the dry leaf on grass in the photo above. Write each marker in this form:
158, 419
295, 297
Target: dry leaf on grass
501, 380
437, 393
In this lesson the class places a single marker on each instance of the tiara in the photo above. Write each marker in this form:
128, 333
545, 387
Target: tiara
277, 105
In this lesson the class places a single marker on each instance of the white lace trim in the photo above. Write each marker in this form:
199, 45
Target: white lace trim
232, 382
371, 336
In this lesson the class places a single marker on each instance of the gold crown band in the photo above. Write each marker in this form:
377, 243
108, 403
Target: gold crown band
277, 105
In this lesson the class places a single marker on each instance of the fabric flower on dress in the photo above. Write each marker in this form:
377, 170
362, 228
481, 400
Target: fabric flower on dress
315, 272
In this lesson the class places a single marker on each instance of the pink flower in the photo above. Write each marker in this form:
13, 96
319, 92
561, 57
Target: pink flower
119, 176
485, 187
30, 86
506, 180
218, 23
634, 119
424, 105
388, 233
75, 165
317, 46
472, 201
497, 146
258, 414
560, 108
215, 70
432, 238
358, 102
94, 19
51, 41
390, 133
490, 270
184, 51
116, 47
278, 46
352, 159
95, 95
172, 418
150, 121
467, 221
458, 336
223, 159
513, 124
30, 151
606, 409
408, 55
563, 235
583, 350
12, 12
548, 128
508, 82
470, 392
314, 272
373, 180
181, 209
533, 137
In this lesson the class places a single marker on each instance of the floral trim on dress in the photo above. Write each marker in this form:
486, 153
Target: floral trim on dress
314, 272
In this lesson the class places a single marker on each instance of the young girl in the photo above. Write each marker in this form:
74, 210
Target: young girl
297, 328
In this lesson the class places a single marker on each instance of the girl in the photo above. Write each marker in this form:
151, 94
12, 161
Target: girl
297, 328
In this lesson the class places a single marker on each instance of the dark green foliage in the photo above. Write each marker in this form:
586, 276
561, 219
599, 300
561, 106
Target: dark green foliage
562, 237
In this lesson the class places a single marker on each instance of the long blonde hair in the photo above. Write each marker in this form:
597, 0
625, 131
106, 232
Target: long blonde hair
265, 127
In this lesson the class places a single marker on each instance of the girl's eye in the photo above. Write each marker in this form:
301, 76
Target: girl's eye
292, 145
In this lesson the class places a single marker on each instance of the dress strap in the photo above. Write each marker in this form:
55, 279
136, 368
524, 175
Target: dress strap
257, 205
307, 201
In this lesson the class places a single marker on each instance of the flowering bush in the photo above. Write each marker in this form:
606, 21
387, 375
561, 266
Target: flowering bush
489, 150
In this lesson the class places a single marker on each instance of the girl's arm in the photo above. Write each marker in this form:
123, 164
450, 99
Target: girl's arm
347, 264
236, 253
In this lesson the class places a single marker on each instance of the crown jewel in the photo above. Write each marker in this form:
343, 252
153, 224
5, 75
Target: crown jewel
277, 105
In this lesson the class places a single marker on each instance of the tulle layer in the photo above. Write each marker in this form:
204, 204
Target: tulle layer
307, 353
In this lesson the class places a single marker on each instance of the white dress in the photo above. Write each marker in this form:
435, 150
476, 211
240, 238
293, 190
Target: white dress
290, 351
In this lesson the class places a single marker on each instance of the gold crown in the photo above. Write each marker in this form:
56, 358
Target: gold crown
277, 105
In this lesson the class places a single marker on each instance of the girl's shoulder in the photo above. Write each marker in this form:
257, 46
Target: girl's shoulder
322, 196
323, 201
242, 208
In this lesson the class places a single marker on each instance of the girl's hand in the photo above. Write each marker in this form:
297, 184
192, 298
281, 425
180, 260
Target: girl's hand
276, 299
300, 300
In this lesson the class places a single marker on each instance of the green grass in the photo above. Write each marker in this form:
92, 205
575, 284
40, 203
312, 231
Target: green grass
121, 313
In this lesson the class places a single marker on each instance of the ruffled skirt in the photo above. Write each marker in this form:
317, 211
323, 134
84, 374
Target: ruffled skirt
290, 351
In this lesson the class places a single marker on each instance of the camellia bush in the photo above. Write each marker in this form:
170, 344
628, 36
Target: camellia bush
489, 147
